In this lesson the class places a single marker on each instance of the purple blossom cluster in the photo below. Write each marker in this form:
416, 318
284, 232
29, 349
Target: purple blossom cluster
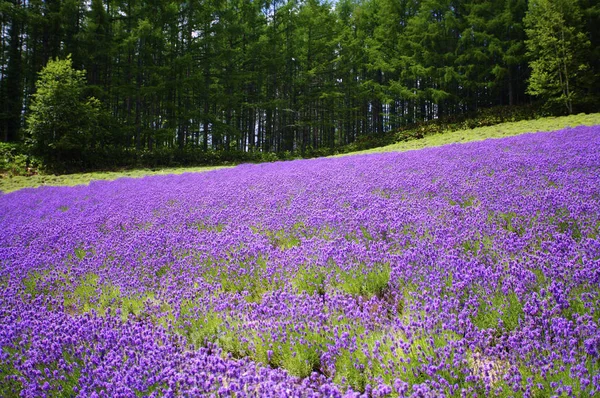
462, 270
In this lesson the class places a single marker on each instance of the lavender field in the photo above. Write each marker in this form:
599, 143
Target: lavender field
464, 270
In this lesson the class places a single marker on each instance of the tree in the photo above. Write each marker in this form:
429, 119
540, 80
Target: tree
179, 78
557, 47
492, 60
62, 124
11, 90
432, 40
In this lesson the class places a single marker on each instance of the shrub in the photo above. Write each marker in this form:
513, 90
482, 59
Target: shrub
62, 124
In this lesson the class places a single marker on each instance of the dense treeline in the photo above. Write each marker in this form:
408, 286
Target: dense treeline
293, 76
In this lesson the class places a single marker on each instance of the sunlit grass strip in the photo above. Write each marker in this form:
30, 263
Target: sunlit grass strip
10, 183
501, 130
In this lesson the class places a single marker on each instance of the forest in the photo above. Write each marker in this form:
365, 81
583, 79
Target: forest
91, 84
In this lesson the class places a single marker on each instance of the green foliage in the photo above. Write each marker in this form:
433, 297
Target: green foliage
198, 328
501, 307
12, 183
310, 280
364, 281
253, 284
509, 221
13, 18
90, 295
85, 293
62, 387
273, 80
353, 367
284, 240
214, 228
465, 202
9, 386
478, 246
497, 131
559, 51
566, 224
413, 133
557, 374
232, 342
583, 300
302, 359
299, 354
31, 283
61, 123
14, 160
80, 253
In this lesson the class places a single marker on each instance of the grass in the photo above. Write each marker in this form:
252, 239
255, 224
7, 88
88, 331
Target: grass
376, 353
199, 329
364, 281
359, 280
506, 308
10, 183
311, 281
483, 133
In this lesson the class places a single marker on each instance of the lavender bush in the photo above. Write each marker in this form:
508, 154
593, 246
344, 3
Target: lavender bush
454, 271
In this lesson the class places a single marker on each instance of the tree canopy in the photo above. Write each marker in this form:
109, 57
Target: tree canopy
559, 51
62, 124
298, 76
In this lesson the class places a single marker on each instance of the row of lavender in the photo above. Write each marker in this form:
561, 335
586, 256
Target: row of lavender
455, 271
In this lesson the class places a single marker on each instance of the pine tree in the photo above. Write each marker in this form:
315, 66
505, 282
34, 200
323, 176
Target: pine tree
557, 47
11, 83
